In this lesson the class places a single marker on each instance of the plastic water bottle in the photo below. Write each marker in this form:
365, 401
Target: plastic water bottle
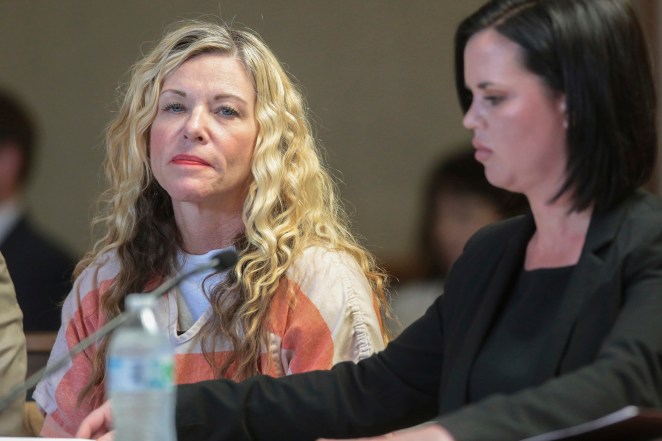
140, 376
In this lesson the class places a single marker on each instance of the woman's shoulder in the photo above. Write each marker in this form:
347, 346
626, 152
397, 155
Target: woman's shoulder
636, 223
644, 207
103, 269
104, 266
635, 219
319, 271
318, 259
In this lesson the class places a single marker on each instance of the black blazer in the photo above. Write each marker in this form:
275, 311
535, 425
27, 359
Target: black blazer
606, 352
41, 272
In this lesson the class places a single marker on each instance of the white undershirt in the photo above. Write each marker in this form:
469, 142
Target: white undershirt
10, 212
192, 301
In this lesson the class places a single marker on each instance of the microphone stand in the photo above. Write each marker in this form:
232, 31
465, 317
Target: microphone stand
221, 261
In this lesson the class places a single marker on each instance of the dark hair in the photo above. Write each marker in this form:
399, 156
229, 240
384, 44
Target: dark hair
595, 53
462, 175
16, 126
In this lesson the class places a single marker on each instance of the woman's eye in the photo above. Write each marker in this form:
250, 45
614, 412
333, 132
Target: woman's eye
228, 111
173, 107
494, 100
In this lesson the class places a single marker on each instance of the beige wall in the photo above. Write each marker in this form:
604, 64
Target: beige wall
377, 75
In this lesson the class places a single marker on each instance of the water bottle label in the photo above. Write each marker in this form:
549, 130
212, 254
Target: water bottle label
126, 374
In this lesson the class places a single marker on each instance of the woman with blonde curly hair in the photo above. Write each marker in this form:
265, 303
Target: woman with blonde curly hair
211, 149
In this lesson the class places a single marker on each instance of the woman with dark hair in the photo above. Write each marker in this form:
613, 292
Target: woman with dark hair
547, 320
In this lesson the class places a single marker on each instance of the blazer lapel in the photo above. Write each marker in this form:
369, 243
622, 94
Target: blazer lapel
588, 275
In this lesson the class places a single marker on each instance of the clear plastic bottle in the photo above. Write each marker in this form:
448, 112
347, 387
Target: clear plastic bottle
140, 376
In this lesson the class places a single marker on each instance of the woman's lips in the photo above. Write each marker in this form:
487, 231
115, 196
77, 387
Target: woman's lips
189, 160
482, 152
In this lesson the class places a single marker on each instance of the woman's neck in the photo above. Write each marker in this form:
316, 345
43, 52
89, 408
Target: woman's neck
203, 229
560, 234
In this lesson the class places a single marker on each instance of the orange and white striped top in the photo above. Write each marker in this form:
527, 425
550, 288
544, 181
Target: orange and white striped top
323, 312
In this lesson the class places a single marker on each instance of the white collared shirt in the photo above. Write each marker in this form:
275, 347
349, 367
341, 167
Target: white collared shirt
11, 211
191, 300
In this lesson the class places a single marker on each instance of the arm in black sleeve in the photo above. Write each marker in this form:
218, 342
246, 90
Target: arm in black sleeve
395, 388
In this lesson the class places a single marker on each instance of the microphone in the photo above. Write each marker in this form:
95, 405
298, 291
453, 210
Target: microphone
221, 261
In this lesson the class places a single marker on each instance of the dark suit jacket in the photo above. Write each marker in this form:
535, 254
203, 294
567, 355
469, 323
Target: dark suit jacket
606, 352
41, 272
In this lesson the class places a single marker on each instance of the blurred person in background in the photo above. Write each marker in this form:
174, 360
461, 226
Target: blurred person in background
457, 201
40, 268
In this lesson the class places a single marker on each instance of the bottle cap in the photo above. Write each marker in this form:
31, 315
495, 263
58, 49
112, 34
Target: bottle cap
136, 302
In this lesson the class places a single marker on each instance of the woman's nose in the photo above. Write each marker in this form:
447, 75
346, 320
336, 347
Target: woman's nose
196, 126
470, 119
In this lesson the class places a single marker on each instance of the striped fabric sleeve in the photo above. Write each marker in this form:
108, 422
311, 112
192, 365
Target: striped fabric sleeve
58, 394
323, 313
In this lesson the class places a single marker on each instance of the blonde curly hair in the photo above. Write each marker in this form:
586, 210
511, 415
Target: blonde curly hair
291, 202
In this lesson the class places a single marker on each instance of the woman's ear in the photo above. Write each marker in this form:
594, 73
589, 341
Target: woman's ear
564, 110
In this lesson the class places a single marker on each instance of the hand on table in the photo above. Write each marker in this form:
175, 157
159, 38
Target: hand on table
431, 432
98, 424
